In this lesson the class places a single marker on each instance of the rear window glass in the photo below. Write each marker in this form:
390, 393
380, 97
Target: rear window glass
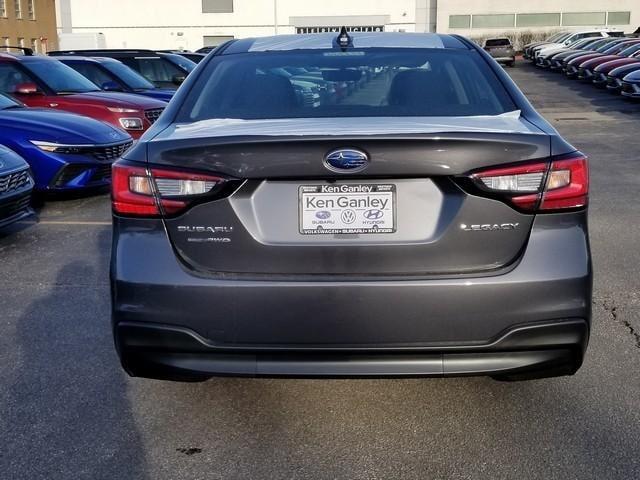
497, 42
358, 83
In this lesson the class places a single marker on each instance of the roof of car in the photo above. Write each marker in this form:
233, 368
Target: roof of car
23, 58
76, 58
360, 40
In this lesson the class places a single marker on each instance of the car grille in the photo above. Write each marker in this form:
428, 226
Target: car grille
153, 114
110, 152
15, 206
14, 181
68, 173
101, 173
628, 88
601, 78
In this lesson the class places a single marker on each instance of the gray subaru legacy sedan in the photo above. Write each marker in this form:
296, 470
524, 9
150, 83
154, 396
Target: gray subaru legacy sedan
350, 205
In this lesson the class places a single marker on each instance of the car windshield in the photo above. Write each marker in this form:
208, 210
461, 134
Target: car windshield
127, 75
184, 63
562, 37
607, 46
630, 50
616, 48
497, 42
6, 102
60, 78
379, 82
585, 42
597, 44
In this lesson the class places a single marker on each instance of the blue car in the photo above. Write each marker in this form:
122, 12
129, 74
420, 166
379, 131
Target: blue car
631, 85
66, 151
16, 185
113, 75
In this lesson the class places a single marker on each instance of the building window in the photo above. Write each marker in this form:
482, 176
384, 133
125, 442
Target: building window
583, 19
215, 40
34, 45
538, 19
5, 43
217, 6
619, 18
17, 5
3, 9
31, 10
21, 42
494, 21
459, 21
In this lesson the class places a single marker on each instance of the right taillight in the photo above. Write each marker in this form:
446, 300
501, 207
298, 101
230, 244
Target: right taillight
541, 186
567, 184
149, 192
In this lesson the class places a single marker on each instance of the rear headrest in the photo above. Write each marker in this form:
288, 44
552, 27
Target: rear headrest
413, 88
269, 93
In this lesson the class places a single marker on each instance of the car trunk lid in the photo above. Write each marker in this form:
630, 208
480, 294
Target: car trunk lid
431, 226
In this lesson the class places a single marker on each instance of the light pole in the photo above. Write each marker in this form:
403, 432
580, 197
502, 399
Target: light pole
275, 16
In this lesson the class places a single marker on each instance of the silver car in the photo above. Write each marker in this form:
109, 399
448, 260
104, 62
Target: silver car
501, 50
427, 222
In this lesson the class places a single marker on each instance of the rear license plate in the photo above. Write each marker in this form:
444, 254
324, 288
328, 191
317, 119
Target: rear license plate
347, 208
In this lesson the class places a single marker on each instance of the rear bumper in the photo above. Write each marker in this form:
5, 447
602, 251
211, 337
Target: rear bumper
505, 59
355, 326
523, 352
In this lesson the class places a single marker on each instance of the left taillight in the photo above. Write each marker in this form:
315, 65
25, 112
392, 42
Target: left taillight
543, 186
151, 192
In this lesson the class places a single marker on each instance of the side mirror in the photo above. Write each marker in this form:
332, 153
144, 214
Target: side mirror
27, 88
178, 79
111, 87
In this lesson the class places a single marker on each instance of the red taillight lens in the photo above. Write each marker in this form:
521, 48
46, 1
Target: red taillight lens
567, 184
562, 183
128, 202
146, 192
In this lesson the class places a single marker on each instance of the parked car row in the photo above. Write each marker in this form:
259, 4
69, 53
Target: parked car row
605, 59
66, 117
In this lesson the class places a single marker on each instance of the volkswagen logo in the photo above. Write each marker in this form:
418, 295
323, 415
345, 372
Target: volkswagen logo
348, 216
373, 214
346, 160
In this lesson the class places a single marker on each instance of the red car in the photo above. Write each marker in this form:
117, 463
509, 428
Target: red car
629, 56
40, 81
586, 68
614, 47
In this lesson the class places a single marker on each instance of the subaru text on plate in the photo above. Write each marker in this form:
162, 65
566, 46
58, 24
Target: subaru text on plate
427, 223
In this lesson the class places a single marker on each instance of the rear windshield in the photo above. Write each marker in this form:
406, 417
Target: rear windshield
497, 42
360, 83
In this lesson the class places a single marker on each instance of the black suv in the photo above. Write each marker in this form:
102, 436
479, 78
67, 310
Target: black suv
164, 70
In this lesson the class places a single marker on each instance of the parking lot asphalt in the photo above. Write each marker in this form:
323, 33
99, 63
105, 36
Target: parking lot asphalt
67, 411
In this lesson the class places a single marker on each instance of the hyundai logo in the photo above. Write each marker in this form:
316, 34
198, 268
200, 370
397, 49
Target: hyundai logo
323, 214
373, 214
346, 160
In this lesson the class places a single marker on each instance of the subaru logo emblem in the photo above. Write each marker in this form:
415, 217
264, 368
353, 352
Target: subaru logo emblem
346, 160
323, 214
373, 214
